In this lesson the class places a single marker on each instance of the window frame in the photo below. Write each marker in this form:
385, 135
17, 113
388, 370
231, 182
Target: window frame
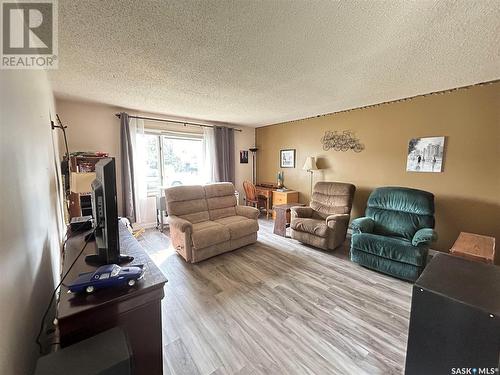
170, 134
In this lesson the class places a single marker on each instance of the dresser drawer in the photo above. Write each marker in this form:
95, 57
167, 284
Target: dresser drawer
284, 197
279, 198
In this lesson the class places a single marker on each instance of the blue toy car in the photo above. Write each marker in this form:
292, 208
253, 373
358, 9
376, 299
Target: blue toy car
110, 275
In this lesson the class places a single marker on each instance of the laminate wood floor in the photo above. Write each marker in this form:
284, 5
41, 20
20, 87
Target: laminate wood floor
279, 307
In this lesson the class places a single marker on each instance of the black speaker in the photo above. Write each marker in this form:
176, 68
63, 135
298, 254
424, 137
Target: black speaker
454, 322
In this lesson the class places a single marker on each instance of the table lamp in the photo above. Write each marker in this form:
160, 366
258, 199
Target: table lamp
310, 166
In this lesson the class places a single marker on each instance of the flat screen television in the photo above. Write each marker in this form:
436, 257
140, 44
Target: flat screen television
105, 212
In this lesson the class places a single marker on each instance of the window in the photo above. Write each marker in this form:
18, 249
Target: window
181, 160
172, 159
152, 160
115, 271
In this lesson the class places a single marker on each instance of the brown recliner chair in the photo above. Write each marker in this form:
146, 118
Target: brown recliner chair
324, 223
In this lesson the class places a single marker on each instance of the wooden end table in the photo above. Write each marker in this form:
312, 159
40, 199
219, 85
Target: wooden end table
283, 217
474, 247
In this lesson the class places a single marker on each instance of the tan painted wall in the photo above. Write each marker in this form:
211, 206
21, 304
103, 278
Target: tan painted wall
94, 127
467, 192
31, 221
243, 141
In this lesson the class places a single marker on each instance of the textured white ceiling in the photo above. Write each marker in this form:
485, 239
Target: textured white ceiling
261, 62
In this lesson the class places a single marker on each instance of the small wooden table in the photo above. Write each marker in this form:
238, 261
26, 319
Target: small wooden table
474, 247
284, 197
282, 220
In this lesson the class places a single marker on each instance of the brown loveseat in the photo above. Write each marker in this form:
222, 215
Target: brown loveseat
206, 221
324, 223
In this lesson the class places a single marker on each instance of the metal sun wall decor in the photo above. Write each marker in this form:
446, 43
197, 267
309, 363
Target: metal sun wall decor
341, 141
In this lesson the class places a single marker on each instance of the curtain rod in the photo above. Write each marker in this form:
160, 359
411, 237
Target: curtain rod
179, 122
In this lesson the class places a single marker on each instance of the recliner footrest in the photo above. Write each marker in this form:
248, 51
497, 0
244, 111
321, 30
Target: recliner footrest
394, 268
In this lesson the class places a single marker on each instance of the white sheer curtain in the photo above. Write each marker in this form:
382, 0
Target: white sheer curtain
140, 187
208, 169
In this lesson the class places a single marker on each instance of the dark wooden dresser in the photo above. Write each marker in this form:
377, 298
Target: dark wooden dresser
137, 310
455, 318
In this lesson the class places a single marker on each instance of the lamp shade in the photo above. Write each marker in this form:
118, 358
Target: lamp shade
310, 164
81, 182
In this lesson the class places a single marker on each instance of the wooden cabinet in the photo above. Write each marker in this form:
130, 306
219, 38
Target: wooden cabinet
284, 197
454, 320
80, 204
136, 310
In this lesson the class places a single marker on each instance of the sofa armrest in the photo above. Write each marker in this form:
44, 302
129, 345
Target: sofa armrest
424, 236
362, 225
248, 212
299, 211
180, 236
180, 224
333, 220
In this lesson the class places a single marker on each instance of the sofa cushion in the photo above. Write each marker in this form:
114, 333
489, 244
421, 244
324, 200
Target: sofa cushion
397, 249
219, 189
313, 226
209, 233
239, 226
221, 207
187, 202
221, 200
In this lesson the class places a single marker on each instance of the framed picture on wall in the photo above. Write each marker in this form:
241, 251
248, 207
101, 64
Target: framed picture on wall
425, 154
287, 158
244, 157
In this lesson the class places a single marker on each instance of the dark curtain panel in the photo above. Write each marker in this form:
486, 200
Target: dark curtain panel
127, 157
224, 154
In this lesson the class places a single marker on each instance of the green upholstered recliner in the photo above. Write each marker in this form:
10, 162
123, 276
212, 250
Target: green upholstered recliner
396, 232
